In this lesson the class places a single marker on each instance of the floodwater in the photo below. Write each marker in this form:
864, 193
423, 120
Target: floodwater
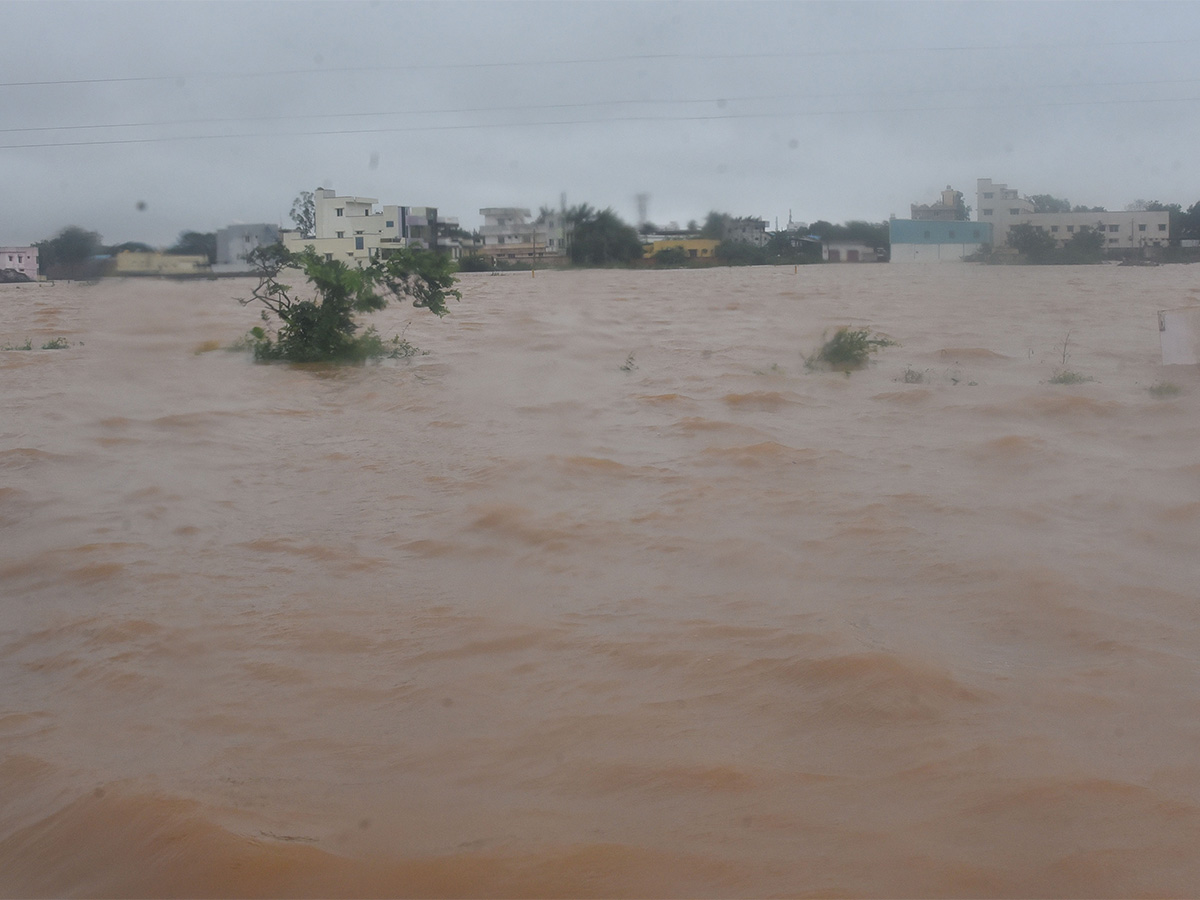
606, 594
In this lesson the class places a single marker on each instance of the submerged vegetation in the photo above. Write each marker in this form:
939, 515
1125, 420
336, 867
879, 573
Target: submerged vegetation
849, 348
324, 329
58, 343
1063, 376
1165, 389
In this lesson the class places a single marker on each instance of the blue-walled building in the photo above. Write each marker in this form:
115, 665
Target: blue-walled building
922, 241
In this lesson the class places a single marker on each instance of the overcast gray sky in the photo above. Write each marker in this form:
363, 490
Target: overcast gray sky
215, 113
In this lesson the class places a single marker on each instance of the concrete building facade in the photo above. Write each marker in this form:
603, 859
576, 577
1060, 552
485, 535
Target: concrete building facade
949, 208
694, 248
748, 230
848, 251
21, 259
936, 241
1003, 207
508, 233
135, 262
352, 229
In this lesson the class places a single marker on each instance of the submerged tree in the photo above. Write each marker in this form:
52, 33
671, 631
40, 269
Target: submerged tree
323, 329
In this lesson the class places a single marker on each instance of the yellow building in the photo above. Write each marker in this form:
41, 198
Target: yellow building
133, 262
695, 248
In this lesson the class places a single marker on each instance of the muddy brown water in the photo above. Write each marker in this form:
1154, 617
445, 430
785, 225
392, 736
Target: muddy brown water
605, 594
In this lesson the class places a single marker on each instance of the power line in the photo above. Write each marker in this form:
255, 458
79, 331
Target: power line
603, 60
604, 121
590, 104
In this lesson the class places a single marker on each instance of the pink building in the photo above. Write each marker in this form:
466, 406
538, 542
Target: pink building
23, 259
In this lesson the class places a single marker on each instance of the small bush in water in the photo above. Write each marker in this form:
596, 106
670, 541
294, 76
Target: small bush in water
849, 348
1165, 389
1064, 377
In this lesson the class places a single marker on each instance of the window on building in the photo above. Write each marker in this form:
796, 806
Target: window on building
927, 235
1054, 228
987, 212
1114, 228
1014, 212
1114, 240
988, 195
341, 234
341, 210
1162, 227
1070, 228
328, 257
1141, 228
358, 243
390, 225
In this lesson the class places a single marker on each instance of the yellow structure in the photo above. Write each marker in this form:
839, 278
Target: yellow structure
133, 262
695, 248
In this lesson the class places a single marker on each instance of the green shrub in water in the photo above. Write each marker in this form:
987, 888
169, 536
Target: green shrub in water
323, 329
849, 348
1065, 377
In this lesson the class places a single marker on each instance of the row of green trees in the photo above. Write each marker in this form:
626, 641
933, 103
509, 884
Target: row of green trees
1036, 246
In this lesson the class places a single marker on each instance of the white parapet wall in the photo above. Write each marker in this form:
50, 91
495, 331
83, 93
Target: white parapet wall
1179, 335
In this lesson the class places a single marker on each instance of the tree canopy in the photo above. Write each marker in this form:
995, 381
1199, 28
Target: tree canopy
1031, 242
323, 329
601, 238
67, 254
304, 214
1044, 203
1037, 246
195, 243
716, 226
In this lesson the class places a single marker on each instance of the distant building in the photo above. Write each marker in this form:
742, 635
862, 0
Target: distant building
449, 240
1003, 208
236, 241
848, 251
20, 259
747, 230
133, 262
950, 208
933, 241
694, 248
351, 229
508, 233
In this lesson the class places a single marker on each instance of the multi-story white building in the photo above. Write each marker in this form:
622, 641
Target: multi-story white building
351, 228
508, 233
22, 259
1003, 207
